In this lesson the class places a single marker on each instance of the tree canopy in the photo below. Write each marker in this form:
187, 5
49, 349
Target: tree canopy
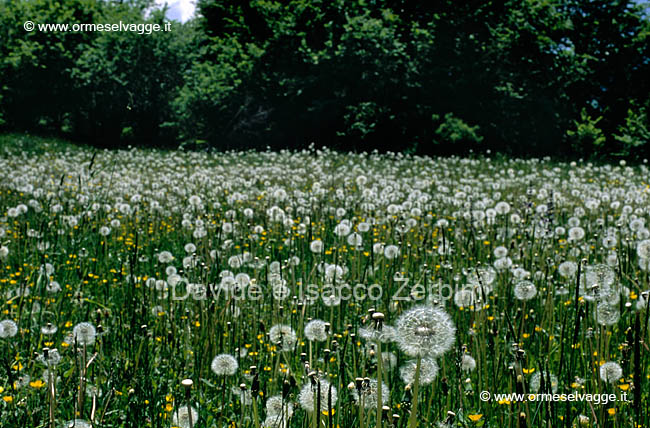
562, 77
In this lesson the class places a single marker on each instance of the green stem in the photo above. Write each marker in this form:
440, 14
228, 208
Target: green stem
380, 382
416, 390
256, 418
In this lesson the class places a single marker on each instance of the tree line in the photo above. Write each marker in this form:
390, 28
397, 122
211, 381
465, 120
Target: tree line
531, 77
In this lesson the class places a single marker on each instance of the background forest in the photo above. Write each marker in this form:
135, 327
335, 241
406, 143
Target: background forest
526, 78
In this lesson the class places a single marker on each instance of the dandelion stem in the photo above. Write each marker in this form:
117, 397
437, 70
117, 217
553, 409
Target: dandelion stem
380, 381
256, 418
416, 390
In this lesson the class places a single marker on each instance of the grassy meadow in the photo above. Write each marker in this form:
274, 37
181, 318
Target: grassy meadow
313, 289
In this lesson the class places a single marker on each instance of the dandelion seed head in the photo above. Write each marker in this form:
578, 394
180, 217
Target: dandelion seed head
607, 314
49, 329
391, 252
53, 287
308, 396
386, 334
567, 269
53, 358
500, 252
597, 281
428, 371
84, 334
368, 395
536, 382
467, 363
276, 406
483, 276
8, 328
643, 249
182, 415
525, 290
284, 335
425, 331
316, 330
165, 257
224, 365
611, 372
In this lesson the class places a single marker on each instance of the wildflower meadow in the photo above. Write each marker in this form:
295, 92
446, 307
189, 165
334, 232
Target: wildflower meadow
314, 289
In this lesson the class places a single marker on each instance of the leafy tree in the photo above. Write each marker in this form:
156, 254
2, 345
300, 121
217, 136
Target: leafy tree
587, 137
37, 89
130, 80
213, 105
635, 133
453, 130
356, 74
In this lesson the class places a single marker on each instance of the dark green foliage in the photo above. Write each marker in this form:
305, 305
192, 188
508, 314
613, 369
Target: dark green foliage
37, 90
635, 133
453, 130
587, 137
104, 87
524, 78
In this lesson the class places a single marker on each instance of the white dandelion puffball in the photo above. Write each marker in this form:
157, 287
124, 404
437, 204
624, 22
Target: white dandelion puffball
244, 395
195, 200
368, 395
391, 251
384, 335
275, 406
53, 287
8, 328
536, 382
308, 397
341, 230
49, 329
576, 233
425, 331
84, 334
284, 335
500, 252
53, 358
316, 246
483, 276
607, 314
274, 421
165, 257
428, 371
182, 416
597, 281
468, 363
525, 290
567, 269
502, 207
643, 249
611, 372
316, 330
224, 365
